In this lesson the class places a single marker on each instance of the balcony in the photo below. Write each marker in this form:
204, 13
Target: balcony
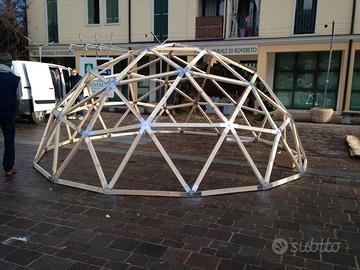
209, 27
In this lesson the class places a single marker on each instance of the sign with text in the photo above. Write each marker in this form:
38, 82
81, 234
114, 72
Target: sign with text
235, 50
52, 51
89, 63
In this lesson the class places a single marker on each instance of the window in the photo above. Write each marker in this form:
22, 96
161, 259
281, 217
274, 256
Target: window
212, 7
299, 79
161, 19
245, 18
53, 34
93, 11
305, 16
112, 11
355, 90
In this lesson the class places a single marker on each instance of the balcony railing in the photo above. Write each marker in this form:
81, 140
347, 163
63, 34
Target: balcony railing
209, 27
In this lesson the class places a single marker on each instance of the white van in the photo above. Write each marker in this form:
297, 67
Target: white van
42, 85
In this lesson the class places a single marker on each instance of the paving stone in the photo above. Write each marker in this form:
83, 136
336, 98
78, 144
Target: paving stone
117, 266
138, 259
317, 265
208, 251
74, 246
6, 250
338, 258
176, 255
22, 257
287, 225
81, 235
46, 262
202, 261
47, 250
22, 223
134, 267
174, 244
176, 213
7, 266
152, 222
193, 230
65, 253
247, 260
116, 255
226, 246
151, 250
83, 266
88, 259
6, 218
230, 265
248, 240
223, 254
75, 209
218, 234
42, 228
61, 231
155, 263
124, 244
292, 260
47, 240
352, 236
102, 239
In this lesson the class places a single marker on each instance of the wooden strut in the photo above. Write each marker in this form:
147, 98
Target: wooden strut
223, 127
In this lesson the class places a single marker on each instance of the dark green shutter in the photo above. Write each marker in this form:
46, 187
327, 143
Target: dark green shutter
161, 19
53, 34
93, 12
355, 89
112, 11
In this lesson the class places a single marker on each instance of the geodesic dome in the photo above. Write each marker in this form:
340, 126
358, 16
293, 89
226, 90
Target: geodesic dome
198, 93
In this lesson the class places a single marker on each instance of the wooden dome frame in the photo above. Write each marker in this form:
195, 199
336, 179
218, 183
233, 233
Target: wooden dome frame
178, 70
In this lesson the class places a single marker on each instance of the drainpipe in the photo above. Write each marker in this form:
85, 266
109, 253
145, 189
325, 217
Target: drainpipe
350, 46
129, 21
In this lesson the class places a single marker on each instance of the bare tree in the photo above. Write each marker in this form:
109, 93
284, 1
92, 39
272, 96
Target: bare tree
13, 28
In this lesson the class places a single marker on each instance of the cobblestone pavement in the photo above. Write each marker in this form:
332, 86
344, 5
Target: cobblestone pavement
47, 226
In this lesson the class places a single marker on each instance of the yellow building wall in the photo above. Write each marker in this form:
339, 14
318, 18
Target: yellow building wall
182, 16
266, 61
357, 19
277, 17
73, 21
141, 20
333, 10
36, 16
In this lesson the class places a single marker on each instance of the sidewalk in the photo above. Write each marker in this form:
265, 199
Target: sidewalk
46, 226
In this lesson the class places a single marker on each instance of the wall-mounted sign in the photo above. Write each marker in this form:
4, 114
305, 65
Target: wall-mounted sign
235, 50
89, 63
58, 51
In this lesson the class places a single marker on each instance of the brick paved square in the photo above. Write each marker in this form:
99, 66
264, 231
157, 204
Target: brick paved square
66, 228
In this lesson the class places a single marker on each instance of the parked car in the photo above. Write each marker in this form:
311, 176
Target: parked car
42, 85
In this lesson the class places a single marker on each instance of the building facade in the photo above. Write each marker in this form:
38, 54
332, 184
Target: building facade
287, 41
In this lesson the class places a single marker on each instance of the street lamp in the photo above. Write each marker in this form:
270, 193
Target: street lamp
40, 46
329, 64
